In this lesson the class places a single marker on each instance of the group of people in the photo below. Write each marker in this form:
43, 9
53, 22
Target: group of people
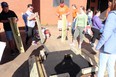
80, 19
29, 23
77, 27
106, 30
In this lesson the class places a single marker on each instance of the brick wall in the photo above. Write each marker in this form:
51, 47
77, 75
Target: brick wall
48, 12
44, 7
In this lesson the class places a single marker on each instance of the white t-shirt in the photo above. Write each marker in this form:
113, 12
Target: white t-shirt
30, 23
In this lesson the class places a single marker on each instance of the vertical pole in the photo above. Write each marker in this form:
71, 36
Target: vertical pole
64, 28
39, 28
16, 34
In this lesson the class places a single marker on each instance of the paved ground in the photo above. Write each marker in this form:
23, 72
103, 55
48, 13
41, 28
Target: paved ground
17, 66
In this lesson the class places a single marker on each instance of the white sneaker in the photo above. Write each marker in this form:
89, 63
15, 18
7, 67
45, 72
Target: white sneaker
34, 43
79, 46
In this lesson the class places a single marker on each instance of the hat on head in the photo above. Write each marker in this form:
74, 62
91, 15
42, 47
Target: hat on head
4, 4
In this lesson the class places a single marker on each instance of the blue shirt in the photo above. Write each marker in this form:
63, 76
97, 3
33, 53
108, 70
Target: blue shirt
108, 38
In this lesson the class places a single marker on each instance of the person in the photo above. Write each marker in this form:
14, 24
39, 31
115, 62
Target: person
24, 16
108, 9
30, 24
74, 14
4, 15
97, 25
107, 45
62, 9
90, 15
80, 25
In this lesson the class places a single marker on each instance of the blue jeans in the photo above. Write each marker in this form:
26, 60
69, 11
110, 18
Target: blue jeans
106, 61
73, 26
89, 21
9, 35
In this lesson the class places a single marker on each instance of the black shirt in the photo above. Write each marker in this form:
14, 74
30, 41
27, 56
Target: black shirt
5, 16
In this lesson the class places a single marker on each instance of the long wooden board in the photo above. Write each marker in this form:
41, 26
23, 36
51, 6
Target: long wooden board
33, 69
39, 28
16, 34
64, 27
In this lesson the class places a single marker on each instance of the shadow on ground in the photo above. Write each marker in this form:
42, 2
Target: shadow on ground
58, 62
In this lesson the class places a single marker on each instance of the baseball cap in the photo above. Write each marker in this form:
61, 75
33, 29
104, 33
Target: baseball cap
4, 4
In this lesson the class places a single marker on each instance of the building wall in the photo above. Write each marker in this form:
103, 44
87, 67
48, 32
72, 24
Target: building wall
44, 7
48, 12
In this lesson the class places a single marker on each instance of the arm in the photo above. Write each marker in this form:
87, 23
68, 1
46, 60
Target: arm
32, 17
67, 11
14, 15
108, 30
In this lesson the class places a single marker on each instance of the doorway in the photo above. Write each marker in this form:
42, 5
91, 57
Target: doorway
102, 5
88, 4
36, 5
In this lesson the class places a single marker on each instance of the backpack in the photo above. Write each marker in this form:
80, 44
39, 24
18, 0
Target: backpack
24, 16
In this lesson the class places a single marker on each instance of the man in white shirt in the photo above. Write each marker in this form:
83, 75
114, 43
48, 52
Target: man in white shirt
30, 24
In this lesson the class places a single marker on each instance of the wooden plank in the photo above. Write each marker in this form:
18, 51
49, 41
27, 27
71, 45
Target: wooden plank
64, 28
89, 70
61, 75
39, 28
41, 73
86, 56
44, 71
92, 56
87, 75
33, 67
77, 52
16, 34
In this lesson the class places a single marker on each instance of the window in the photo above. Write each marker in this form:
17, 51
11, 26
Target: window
57, 2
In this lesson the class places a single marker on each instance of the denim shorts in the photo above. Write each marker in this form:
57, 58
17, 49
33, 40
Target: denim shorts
9, 35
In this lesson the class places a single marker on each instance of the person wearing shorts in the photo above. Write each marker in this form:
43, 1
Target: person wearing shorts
62, 9
4, 15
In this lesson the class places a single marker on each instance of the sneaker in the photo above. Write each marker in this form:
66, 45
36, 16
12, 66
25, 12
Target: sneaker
58, 37
34, 43
79, 46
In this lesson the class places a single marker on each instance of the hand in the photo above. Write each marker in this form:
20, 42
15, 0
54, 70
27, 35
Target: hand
58, 15
35, 15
